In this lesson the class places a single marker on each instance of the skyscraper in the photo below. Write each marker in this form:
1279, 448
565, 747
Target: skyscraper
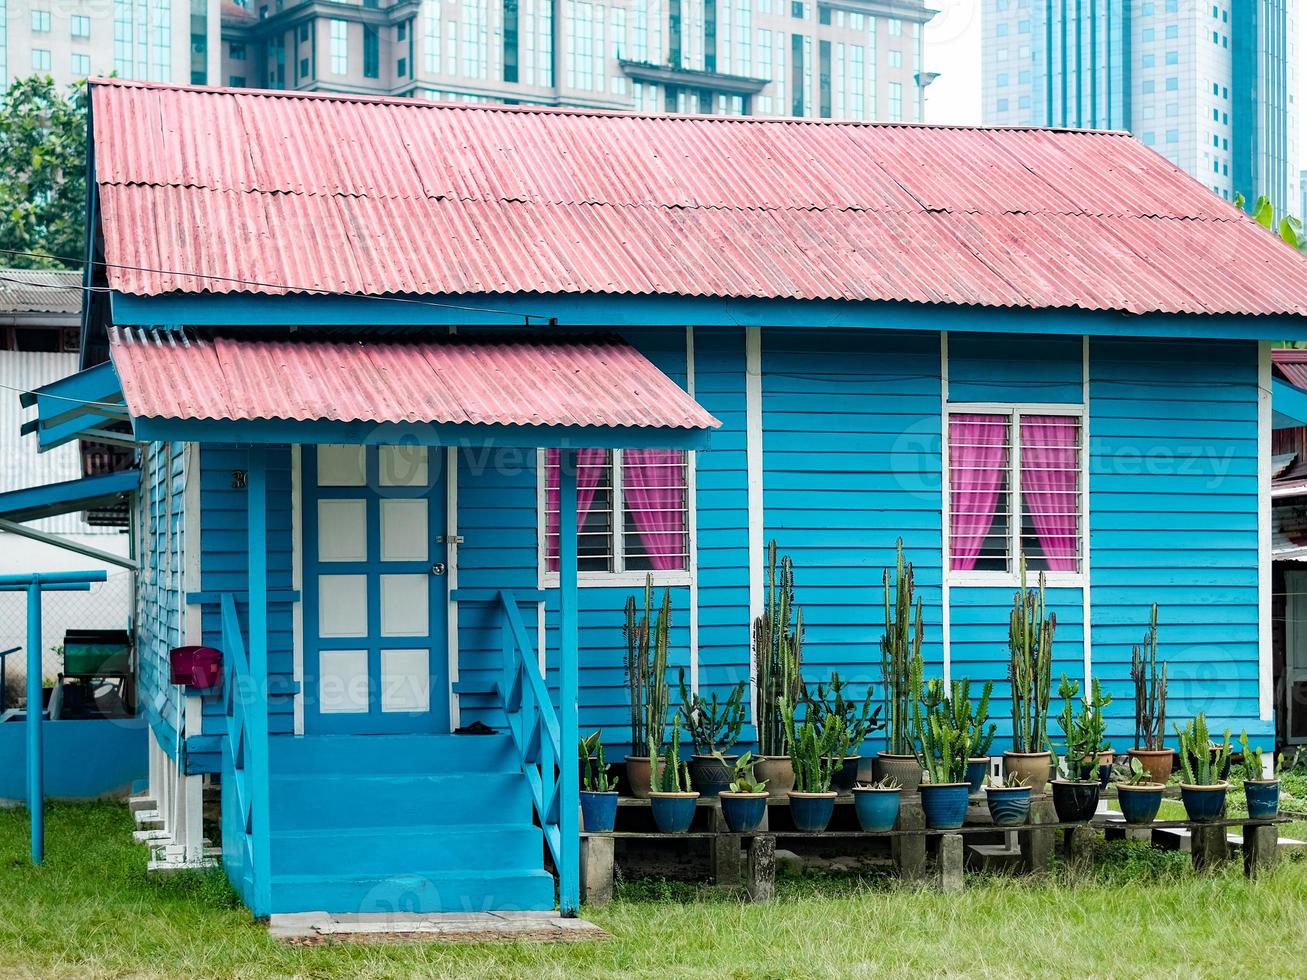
1210, 85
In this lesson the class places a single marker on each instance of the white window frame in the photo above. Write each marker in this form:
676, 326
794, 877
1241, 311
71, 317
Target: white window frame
1012, 577
625, 579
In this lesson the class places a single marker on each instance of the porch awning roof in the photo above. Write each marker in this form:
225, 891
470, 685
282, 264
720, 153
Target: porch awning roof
458, 390
67, 497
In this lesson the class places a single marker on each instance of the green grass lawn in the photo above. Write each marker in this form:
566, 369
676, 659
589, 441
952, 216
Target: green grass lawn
91, 911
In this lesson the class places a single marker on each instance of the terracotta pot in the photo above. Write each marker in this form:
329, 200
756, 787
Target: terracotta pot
638, 775
905, 768
778, 771
1157, 762
1031, 766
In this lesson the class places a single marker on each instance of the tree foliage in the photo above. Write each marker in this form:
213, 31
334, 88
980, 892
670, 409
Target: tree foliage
1289, 228
42, 172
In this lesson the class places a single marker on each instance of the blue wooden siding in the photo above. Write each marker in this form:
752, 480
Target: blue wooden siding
1015, 368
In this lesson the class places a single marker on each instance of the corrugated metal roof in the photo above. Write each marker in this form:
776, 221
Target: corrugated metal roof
21, 466
270, 192
1292, 365
563, 382
52, 291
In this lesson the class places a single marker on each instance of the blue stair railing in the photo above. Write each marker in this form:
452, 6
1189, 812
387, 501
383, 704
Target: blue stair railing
533, 725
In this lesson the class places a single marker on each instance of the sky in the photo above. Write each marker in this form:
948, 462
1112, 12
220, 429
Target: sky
953, 50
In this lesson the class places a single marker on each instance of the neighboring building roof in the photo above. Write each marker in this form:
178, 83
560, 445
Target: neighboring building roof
272, 192
1291, 363
459, 380
46, 292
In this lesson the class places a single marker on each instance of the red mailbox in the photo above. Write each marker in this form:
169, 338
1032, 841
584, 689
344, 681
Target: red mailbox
199, 667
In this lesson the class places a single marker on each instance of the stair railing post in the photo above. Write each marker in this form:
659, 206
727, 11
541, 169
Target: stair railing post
569, 872
35, 731
256, 717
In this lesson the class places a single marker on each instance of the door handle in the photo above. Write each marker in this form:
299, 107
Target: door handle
438, 568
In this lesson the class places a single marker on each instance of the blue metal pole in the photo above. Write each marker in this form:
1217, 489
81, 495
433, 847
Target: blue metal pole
257, 716
569, 875
35, 748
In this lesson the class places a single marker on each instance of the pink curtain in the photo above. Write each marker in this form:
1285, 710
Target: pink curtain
589, 468
654, 480
1050, 474
978, 461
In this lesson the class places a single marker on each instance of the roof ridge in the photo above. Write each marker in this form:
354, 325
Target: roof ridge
560, 110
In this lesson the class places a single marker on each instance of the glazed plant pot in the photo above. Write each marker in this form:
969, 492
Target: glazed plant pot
638, 776
1075, 802
673, 812
778, 771
1140, 802
877, 809
811, 812
1009, 806
977, 770
844, 777
1098, 767
1032, 767
904, 768
1203, 804
1263, 796
945, 804
1158, 763
709, 775
743, 812
598, 811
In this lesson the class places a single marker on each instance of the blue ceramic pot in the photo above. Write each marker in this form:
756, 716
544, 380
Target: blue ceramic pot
673, 812
811, 812
877, 809
1009, 806
1140, 803
945, 804
1203, 804
710, 776
743, 812
598, 812
1263, 799
977, 770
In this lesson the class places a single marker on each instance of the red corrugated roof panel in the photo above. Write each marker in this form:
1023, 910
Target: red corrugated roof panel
1292, 364
273, 192
563, 382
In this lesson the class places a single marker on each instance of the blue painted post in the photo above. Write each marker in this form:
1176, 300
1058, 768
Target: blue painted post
35, 748
256, 503
569, 875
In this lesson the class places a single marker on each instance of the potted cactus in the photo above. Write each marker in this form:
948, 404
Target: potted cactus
714, 726
778, 656
1075, 798
671, 799
877, 804
1261, 792
744, 802
978, 764
901, 671
816, 754
948, 738
599, 789
646, 682
1138, 795
1030, 671
1009, 804
858, 718
1150, 707
1202, 764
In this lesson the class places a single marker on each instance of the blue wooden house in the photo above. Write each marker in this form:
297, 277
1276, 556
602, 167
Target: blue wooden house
422, 393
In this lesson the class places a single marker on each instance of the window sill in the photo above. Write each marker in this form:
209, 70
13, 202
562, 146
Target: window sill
619, 580
1012, 580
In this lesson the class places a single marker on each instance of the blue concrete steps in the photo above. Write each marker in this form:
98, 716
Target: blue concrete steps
434, 848
416, 892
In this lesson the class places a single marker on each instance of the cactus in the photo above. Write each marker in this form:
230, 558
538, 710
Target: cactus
714, 726
646, 669
1086, 733
1150, 691
947, 729
1030, 669
595, 776
778, 655
1201, 762
816, 753
673, 775
900, 657
859, 717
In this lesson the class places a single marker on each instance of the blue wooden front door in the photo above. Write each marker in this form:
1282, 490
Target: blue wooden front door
375, 602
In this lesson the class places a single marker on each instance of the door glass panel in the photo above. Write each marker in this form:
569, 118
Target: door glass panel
342, 605
402, 466
341, 466
404, 530
343, 681
405, 680
342, 530
404, 605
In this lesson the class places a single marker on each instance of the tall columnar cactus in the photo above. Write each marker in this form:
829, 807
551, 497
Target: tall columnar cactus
778, 655
1201, 762
646, 669
1086, 732
673, 776
947, 729
900, 657
816, 751
1150, 691
1030, 669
